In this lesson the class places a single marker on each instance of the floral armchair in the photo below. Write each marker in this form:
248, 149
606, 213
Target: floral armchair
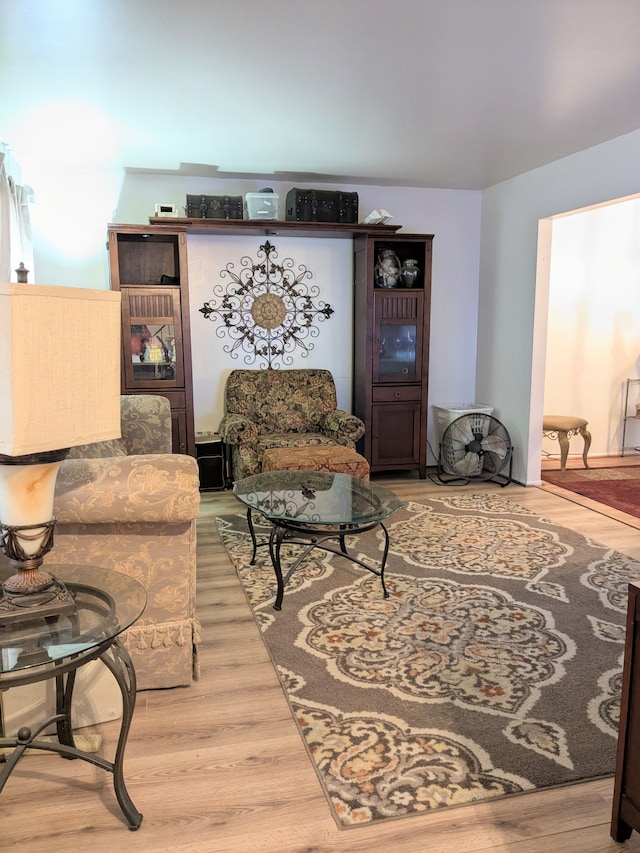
282, 408
131, 505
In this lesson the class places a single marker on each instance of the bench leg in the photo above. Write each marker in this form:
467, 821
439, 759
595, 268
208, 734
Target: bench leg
563, 440
586, 435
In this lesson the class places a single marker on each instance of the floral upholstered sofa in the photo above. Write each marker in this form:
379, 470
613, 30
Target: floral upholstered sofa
282, 408
131, 505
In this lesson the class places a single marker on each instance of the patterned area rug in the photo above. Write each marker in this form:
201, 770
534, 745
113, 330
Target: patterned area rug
616, 487
492, 669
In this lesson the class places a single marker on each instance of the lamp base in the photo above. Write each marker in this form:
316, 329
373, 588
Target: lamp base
29, 578
54, 600
27, 485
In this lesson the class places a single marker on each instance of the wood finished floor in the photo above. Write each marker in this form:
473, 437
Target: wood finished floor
220, 766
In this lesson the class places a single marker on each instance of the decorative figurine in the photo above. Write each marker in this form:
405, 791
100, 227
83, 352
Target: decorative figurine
387, 270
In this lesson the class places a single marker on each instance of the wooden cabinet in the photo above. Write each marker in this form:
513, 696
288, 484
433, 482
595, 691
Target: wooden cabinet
626, 796
148, 264
391, 353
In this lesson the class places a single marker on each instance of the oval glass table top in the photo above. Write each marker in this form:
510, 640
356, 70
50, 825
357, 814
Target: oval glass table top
313, 498
106, 603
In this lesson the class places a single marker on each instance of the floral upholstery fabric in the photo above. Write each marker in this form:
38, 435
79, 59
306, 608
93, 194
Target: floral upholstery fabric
98, 449
137, 514
152, 488
145, 421
333, 458
282, 408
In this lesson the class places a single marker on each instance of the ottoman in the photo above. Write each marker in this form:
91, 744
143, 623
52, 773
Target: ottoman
317, 457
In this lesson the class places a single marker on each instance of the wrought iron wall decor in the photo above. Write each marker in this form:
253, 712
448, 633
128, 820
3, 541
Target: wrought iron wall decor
267, 308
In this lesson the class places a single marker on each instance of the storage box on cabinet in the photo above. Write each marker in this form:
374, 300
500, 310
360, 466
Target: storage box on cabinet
321, 206
215, 207
262, 205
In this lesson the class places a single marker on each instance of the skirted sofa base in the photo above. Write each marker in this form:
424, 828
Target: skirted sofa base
137, 515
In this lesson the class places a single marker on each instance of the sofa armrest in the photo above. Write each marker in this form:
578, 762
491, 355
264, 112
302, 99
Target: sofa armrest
238, 429
149, 488
341, 426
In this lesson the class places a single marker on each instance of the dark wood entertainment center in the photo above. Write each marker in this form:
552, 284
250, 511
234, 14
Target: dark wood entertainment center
148, 265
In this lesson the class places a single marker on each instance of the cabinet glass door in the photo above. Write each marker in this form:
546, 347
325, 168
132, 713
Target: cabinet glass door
153, 352
397, 351
152, 340
398, 338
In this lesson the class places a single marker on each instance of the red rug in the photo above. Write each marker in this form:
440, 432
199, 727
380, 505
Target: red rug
616, 487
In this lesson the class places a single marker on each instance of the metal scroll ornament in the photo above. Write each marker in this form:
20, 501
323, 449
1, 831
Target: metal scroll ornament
267, 309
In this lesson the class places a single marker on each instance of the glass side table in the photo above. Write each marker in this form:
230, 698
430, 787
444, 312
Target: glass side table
37, 649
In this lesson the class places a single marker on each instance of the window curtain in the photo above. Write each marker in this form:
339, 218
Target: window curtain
16, 244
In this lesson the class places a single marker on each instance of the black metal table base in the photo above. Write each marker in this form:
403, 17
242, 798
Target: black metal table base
116, 658
300, 534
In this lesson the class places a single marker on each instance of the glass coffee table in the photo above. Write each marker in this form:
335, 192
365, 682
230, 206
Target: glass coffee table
313, 508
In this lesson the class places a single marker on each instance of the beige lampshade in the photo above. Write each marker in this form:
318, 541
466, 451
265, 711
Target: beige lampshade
59, 367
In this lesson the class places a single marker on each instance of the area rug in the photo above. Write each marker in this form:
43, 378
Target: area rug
616, 487
492, 669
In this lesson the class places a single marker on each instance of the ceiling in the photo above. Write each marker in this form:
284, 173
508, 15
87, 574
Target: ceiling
455, 94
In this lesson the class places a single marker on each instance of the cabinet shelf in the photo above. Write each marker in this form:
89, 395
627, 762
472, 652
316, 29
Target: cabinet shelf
274, 227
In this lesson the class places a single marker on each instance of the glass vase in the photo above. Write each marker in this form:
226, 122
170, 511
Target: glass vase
410, 273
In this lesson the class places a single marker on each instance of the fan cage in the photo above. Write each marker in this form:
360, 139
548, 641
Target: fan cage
482, 424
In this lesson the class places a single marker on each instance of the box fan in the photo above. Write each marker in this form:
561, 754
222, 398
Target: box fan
475, 446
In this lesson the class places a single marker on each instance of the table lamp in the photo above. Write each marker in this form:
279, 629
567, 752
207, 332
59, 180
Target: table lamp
59, 387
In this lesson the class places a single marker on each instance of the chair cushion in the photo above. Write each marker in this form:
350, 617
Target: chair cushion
562, 422
291, 440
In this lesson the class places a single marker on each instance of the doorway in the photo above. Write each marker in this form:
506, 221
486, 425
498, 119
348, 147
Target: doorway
587, 279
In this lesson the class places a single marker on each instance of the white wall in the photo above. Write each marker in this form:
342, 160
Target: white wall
593, 341
511, 322
71, 209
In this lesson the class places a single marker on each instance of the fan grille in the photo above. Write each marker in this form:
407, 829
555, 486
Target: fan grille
478, 423
458, 453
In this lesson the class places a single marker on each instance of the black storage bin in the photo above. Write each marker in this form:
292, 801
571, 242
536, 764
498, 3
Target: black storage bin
321, 206
215, 207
